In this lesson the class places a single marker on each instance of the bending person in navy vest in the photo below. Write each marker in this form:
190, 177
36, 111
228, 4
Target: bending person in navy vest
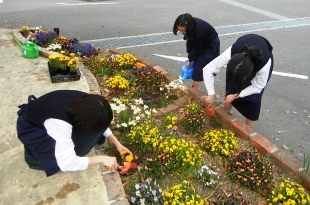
249, 67
59, 128
202, 43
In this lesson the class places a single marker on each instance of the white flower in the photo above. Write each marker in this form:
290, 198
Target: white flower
124, 124
132, 122
138, 193
54, 47
138, 118
137, 186
139, 101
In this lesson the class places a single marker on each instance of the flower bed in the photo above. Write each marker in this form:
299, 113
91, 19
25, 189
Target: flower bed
195, 159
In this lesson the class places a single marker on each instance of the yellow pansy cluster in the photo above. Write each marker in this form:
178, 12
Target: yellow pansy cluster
220, 142
117, 82
27, 31
183, 154
62, 62
72, 63
182, 194
126, 156
289, 192
170, 121
144, 137
125, 61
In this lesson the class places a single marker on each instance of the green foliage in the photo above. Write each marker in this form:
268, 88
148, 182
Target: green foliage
150, 79
305, 167
193, 120
156, 165
235, 199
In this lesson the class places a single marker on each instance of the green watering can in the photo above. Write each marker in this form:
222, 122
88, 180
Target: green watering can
30, 50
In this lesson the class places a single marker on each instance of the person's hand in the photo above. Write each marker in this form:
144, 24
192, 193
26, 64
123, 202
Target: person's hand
110, 163
118, 145
121, 148
230, 98
209, 99
188, 64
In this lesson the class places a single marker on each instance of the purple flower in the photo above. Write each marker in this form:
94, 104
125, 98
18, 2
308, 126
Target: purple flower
133, 199
148, 100
82, 49
172, 131
43, 38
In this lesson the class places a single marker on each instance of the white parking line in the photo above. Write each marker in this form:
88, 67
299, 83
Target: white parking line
182, 59
84, 4
256, 10
290, 75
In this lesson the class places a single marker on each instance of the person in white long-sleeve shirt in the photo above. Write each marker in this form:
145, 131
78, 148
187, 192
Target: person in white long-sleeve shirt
59, 128
249, 66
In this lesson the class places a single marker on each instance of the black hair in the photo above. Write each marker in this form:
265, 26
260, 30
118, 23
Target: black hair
242, 65
185, 20
92, 111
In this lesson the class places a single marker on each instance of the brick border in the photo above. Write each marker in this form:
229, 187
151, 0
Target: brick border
264, 146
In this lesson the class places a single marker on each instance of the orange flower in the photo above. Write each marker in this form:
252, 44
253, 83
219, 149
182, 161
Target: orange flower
140, 65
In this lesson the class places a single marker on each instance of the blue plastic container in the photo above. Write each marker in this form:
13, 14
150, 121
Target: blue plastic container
187, 73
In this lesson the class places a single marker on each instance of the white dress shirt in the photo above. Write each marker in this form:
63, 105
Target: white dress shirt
258, 83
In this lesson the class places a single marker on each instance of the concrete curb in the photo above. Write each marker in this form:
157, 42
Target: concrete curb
258, 141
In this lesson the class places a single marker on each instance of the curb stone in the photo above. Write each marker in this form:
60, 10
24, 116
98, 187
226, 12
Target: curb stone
265, 147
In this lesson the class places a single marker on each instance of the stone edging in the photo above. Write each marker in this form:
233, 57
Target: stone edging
258, 141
